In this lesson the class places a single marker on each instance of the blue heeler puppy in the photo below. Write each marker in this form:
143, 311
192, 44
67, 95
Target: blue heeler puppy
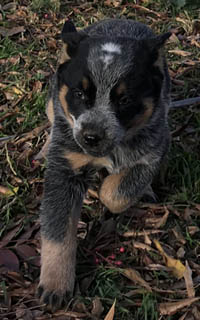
108, 106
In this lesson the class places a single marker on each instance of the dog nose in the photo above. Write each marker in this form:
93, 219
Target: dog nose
91, 139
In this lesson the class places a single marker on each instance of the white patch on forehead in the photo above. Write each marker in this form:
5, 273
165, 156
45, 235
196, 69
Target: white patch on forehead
107, 59
111, 47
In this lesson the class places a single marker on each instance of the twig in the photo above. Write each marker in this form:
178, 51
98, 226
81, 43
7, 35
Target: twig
7, 138
9, 162
185, 102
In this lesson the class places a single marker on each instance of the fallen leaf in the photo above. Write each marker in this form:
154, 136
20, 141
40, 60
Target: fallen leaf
10, 235
70, 314
32, 134
195, 43
97, 307
8, 192
147, 240
192, 230
162, 220
111, 312
180, 53
9, 6
196, 313
17, 91
180, 253
143, 246
135, 277
177, 233
22, 312
175, 265
11, 32
133, 233
28, 254
9, 260
169, 308
188, 281
144, 9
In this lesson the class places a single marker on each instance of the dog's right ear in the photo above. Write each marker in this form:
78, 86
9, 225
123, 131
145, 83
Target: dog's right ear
71, 39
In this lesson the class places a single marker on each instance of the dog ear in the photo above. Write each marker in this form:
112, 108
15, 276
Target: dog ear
155, 48
157, 42
71, 39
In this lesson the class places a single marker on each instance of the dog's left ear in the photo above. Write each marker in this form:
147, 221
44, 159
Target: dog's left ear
71, 39
155, 46
158, 42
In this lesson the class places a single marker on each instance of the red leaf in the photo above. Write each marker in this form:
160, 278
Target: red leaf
28, 254
9, 260
9, 236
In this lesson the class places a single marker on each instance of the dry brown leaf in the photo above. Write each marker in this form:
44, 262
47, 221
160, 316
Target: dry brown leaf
180, 253
196, 313
162, 220
113, 3
135, 277
9, 6
97, 307
143, 246
111, 312
70, 314
6, 192
147, 240
188, 281
144, 9
179, 237
9, 260
28, 254
34, 133
175, 265
10, 235
11, 32
195, 43
192, 230
169, 308
181, 53
133, 233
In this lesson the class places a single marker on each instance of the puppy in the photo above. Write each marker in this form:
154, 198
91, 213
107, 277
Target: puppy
108, 106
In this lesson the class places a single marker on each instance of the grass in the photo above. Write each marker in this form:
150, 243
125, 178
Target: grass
27, 61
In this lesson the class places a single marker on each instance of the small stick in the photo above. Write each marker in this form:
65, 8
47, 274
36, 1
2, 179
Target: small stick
185, 102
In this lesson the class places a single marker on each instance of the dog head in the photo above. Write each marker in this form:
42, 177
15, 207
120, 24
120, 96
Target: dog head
108, 86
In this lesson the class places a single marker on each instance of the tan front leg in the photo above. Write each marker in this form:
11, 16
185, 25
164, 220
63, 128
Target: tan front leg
110, 196
58, 264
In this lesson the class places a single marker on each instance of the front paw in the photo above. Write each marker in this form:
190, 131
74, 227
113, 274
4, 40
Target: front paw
57, 276
54, 300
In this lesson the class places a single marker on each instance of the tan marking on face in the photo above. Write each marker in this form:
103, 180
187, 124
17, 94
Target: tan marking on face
58, 260
121, 88
85, 83
64, 55
140, 120
64, 104
109, 195
78, 160
50, 110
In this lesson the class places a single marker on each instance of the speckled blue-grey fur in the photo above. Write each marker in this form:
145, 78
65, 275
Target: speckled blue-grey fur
112, 49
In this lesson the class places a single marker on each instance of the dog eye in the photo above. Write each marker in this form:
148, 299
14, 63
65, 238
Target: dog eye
124, 100
79, 94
